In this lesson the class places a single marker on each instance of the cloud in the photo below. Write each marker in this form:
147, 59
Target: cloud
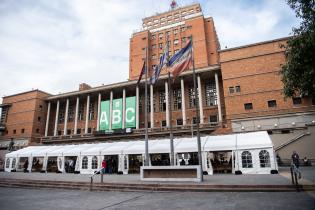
55, 45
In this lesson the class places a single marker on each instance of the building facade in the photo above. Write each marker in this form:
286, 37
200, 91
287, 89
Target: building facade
239, 90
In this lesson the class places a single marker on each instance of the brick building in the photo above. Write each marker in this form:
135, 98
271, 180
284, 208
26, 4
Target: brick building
240, 90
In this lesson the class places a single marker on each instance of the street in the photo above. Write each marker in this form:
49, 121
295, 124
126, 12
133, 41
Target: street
17, 198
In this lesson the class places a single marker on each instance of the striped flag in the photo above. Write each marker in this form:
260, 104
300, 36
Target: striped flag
158, 68
181, 61
141, 73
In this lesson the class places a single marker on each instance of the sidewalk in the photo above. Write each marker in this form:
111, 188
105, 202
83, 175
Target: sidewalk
255, 181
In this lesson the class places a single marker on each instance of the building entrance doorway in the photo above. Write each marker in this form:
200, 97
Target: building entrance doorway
111, 164
52, 164
37, 164
221, 162
135, 162
70, 162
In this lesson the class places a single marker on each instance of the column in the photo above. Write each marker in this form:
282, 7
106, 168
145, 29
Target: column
66, 118
200, 99
124, 109
218, 95
87, 114
47, 119
76, 116
137, 107
56, 118
167, 105
98, 111
151, 106
183, 100
110, 110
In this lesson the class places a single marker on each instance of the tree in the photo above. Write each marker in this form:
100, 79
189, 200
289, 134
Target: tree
298, 73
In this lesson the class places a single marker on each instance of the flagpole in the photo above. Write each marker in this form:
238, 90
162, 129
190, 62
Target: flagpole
172, 162
170, 119
146, 162
197, 114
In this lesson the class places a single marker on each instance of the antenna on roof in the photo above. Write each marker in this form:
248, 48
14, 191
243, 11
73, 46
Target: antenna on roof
173, 4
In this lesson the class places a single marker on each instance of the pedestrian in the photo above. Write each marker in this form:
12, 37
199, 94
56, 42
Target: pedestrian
104, 166
296, 159
25, 166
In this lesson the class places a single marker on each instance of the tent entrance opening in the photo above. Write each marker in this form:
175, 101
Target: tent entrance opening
187, 158
135, 162
37, 164
70, 163
221, 162
162, 159
111, 164
52, 164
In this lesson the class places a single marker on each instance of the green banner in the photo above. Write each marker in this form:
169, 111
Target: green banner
130, 121
117, 114
104, 119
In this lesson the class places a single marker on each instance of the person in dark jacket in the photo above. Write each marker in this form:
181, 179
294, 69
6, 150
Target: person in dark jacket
296, 159
25, 166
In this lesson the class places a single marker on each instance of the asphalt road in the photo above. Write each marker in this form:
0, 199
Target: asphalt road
17, 198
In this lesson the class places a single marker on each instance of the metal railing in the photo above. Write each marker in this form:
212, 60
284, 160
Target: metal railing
95, 173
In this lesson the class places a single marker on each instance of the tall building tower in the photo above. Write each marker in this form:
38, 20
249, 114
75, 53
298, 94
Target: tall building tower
174, 26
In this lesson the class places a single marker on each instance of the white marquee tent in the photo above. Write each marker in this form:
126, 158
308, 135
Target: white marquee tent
251, 152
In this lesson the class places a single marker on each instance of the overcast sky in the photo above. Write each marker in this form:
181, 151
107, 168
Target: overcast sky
54, 45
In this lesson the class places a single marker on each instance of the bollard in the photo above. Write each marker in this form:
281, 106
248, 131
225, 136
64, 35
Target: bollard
292, 177
91, 183
102, 176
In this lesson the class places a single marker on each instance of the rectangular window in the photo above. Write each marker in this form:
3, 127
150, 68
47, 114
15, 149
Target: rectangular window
89, 130
81, 112
59, 133
68, 131
213, 119
79, 131
153, 56
91, 111
168, 33
177, 99
175, 31
160, 35
22, 130
184, 39
61, 115
272, 103
211, 94
179, 121
4, 115
176, 42
153, 36
297, 100
237, 89
153, 46
161, 45
38, 119
192, 97
163, 123
162, 102
70, 113
248, 106
194, 122
37, 130
231, 90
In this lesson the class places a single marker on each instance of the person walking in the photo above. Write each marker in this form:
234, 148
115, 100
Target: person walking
104, 166
296, 159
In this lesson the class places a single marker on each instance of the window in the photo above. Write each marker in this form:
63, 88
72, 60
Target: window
194, 122
70, 113
162, 102
4, 115
168, 33
59, 133
211, 94
176, 42
40, 107
272, 103
248, 106
163, 18
213, 119
144, 38
161, 45
153, 36
183, 29
153, 56
297, 100
184, 39
14, 131
231, 90
38, 119
177, 96
175, 31
89, 130
264, 159
247, 160
61, 115
169, 43
179, 122
153, 46
81, 112
192, 97
68, 132
13, 162
79, 131
84, 162
91, 111
237, 89
153, 67
37, 130
22, 130
7, 163
163, 123
94, 162
160, 35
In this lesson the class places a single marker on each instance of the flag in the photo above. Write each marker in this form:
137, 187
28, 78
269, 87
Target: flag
181, 60
141, 73
158, 68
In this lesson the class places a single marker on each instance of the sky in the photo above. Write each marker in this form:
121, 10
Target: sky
56, 45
